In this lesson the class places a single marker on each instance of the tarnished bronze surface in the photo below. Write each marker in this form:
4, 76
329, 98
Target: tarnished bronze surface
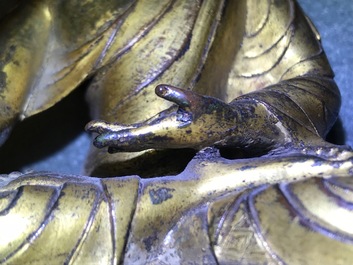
225, 103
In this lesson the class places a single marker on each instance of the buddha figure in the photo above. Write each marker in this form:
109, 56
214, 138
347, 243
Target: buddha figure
208, 124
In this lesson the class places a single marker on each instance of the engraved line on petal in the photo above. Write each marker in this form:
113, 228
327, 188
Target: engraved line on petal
312, 56
143, 32
113, 222
288, 28
253, 34
119, 21
255, 222
335, 182
13, 202
304, 215
324, 106
279, 59
69, 68
306, 89
299, 106
66, 70
210, 38
231, 209
95, 207
166, 65
34, 235
270, 106
132, 217
329, 187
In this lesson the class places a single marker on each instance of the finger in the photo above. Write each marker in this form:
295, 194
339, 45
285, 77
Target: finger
113, 150
99, 126
184, 98
107, 139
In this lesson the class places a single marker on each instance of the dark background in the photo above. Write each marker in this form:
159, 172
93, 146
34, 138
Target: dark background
55, 141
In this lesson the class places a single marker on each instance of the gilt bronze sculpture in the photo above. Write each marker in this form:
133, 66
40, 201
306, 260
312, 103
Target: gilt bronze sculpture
209, 125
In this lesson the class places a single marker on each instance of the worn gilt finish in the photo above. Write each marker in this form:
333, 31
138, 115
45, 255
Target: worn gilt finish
224, 103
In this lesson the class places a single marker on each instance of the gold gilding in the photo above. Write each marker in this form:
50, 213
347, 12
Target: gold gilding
213, 114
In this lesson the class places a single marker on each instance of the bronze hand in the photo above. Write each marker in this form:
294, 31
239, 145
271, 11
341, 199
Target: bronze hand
195, 121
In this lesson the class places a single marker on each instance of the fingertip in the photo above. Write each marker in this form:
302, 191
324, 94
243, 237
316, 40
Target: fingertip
97, 126
98, 143
101, 141
90, 126
162, 90
174, 94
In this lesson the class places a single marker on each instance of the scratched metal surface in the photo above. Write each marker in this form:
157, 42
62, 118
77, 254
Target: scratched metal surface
43, 143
